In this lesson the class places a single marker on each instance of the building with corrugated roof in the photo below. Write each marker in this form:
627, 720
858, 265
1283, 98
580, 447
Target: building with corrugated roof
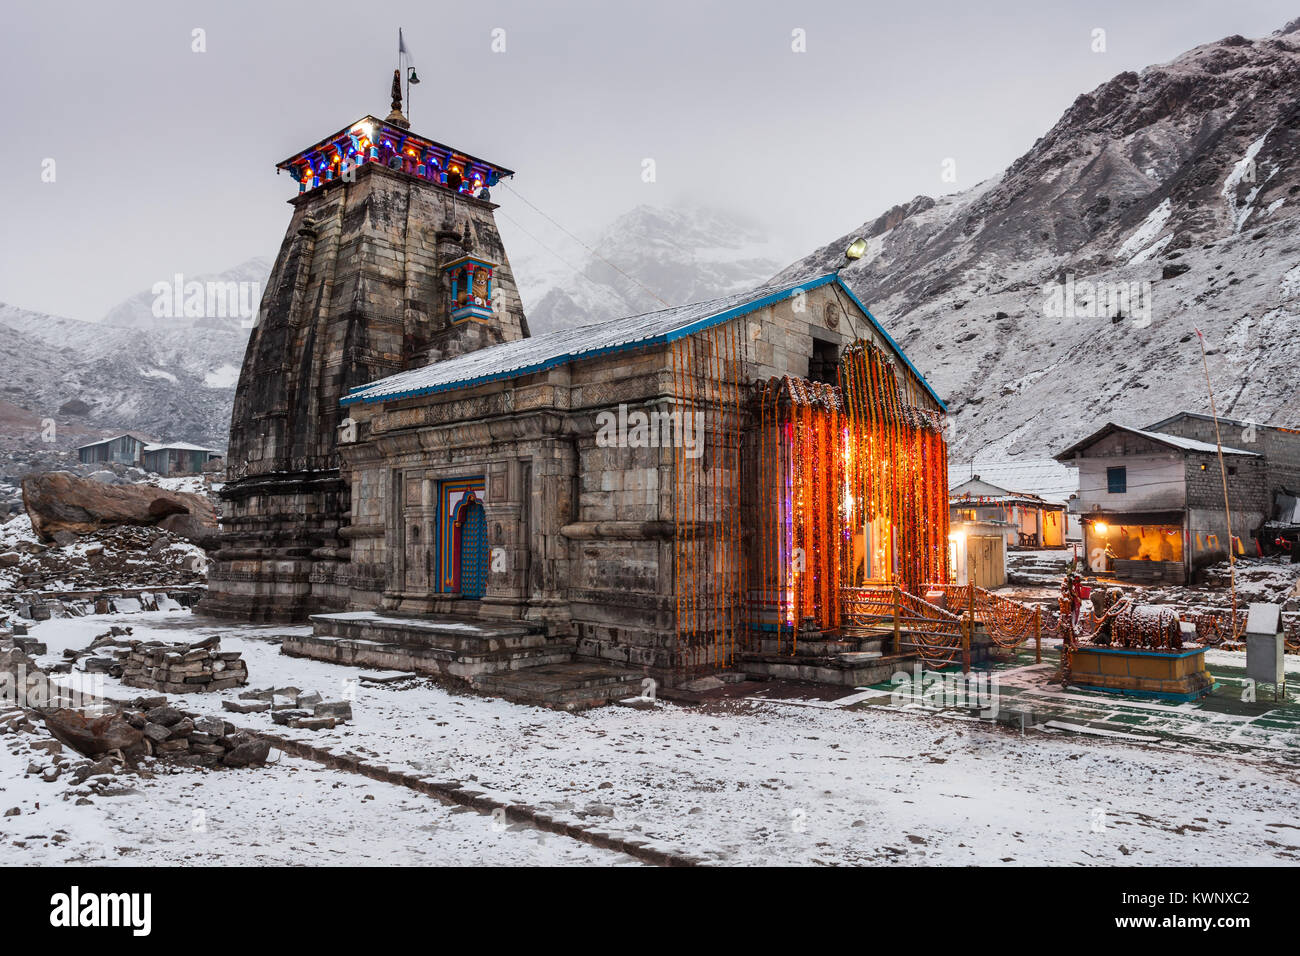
1152, 502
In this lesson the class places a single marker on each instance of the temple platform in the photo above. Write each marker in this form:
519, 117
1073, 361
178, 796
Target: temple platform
516, 662
1166, 675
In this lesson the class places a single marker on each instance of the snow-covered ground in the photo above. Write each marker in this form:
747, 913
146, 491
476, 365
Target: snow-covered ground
291, 814
753, 782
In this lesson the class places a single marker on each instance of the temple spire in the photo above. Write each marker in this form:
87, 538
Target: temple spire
396, 116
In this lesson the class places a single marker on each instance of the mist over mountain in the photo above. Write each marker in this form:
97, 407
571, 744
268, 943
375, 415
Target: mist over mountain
674, 255
229, 299
1067, 291
1063, 293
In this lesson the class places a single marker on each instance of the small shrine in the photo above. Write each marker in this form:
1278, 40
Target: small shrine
471, 288
1111, 643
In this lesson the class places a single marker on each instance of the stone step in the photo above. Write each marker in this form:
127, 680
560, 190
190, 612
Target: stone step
447, 633
855, 640
423, 659
854, 670
571, 685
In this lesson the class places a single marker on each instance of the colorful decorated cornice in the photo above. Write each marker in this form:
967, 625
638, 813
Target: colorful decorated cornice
371, 140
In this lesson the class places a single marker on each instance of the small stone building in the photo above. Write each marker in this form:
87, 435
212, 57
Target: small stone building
1152, 503
125, 449
176, 458
1027, 520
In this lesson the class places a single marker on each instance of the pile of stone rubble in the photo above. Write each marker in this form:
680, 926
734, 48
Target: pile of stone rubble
95, 738
117, 557
181, 668
291, 707
196, 741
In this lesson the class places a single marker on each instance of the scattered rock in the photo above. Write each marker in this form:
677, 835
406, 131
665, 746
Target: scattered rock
334, 708
247, 754
165, 715
249, 707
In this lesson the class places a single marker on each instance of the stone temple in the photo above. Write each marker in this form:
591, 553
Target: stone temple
716, 486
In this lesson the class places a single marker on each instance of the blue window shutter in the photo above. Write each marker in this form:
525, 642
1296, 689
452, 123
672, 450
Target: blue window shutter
1117, 480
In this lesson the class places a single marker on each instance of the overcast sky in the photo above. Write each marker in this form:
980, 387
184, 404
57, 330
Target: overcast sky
164, 157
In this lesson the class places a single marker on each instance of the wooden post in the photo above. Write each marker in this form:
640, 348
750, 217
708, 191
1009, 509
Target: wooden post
969, 630
1038, 635
898, 630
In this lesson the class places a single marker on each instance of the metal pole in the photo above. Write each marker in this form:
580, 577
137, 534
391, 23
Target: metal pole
1223, 474
970, 628
967, 627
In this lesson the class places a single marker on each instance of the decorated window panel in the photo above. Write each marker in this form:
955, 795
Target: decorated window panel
471, 288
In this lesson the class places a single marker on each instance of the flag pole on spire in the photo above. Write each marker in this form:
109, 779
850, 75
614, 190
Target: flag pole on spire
412, 78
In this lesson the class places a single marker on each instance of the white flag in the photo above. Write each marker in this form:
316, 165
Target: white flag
402, 50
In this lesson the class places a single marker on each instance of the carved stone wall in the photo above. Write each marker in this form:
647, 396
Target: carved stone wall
585, 530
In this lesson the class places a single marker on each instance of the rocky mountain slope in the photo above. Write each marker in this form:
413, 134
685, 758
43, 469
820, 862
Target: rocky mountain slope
679, 254
149, 366
91, 379
1067, 291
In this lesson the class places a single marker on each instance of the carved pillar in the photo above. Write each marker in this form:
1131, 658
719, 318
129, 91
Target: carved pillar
554, 491
507, 510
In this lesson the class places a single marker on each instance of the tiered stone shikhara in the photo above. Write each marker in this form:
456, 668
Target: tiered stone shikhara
390, 261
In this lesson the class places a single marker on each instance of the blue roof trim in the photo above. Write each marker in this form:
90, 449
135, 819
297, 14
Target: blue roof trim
890, 339
357, 392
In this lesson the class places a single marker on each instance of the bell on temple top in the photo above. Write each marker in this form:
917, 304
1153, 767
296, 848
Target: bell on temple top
412, 78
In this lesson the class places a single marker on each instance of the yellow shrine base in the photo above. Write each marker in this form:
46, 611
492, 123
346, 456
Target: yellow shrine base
1169, 675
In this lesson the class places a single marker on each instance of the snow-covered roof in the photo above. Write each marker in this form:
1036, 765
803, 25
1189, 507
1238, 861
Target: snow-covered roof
105, 441
1201, 416
1045, 478
177, 446
978, 490
552, 349
1173, 441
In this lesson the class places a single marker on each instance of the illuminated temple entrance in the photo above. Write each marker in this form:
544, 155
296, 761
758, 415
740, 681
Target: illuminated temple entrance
852, 493
856, 492
810, 508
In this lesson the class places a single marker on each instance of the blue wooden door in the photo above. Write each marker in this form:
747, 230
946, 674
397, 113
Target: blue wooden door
473, 552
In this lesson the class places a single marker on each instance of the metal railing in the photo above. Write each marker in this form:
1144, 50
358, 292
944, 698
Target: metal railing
935, 634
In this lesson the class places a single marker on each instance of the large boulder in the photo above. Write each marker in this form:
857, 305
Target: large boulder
58, 501
92, 737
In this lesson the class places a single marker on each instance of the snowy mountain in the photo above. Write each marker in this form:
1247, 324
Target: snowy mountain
675, 255
92, 380
1068, 291
164, 363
